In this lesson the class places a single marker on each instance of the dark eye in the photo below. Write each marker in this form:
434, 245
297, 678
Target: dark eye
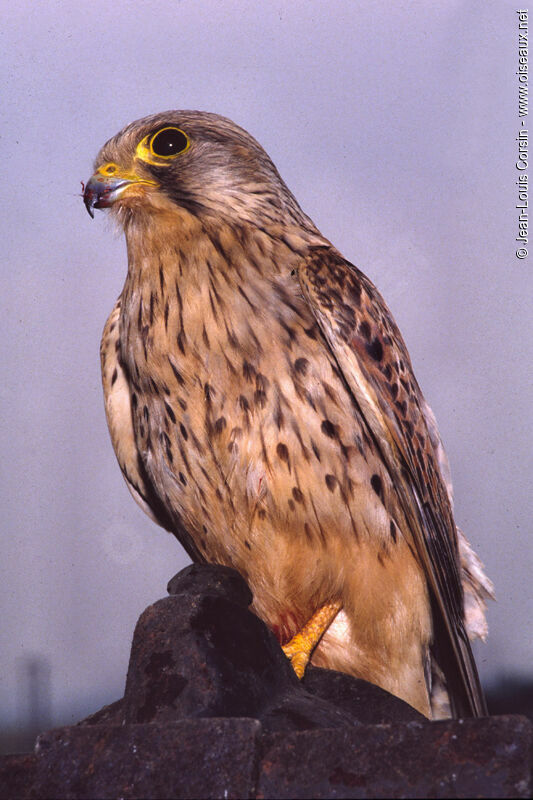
168, 142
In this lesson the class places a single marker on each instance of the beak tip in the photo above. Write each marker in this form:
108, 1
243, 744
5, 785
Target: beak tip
102, 191
89, 200
88, 197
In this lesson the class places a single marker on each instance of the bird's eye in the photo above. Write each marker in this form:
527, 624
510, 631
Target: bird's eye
169, 142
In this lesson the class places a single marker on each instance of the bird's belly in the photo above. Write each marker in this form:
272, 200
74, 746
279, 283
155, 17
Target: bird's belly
272, 470
294, 510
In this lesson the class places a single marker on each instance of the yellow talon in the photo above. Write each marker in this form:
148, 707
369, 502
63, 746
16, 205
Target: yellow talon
300, 647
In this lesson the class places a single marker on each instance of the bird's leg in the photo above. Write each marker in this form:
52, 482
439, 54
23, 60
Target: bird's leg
300, 647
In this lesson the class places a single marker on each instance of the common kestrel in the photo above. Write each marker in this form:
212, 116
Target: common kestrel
263, 408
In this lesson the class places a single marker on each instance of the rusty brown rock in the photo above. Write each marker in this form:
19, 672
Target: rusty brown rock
190, 758
213, 709
465, 758
202, 653
365, 702
17, 775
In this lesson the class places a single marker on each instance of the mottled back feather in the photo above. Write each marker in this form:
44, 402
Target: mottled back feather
374, 361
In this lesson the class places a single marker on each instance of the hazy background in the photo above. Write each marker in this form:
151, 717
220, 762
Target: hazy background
395, 128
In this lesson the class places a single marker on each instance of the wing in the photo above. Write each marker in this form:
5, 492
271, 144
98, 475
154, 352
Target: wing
477, 587
374, 362
118, 408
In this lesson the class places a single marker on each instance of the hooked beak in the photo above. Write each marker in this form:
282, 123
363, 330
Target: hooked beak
107, 185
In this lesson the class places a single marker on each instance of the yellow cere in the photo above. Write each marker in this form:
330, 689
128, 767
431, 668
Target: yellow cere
108, 169
111, 170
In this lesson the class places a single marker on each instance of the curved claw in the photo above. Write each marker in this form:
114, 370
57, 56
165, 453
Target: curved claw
301, 646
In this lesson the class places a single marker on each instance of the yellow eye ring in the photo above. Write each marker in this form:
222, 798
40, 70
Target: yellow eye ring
169, 142
163, 145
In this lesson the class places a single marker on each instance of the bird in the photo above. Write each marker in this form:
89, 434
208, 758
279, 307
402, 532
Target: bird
263, 408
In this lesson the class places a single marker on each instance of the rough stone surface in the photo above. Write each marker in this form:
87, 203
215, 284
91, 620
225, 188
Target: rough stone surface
113, 714
362, 700
190, 758
212, 580
212, 708
469, 758
202, 653
17, 775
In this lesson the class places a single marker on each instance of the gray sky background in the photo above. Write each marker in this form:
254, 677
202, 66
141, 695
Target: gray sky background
394, 125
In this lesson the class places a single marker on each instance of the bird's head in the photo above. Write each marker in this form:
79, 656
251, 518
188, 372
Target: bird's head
189, 162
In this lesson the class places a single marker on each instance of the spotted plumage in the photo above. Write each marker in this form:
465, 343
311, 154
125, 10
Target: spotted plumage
263, 408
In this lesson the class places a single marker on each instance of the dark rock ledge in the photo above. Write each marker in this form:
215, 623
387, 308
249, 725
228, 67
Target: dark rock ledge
212, 709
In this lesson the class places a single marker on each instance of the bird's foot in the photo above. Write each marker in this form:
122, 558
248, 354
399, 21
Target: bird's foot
300, 647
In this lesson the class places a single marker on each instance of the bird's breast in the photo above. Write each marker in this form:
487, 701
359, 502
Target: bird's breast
250, 437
